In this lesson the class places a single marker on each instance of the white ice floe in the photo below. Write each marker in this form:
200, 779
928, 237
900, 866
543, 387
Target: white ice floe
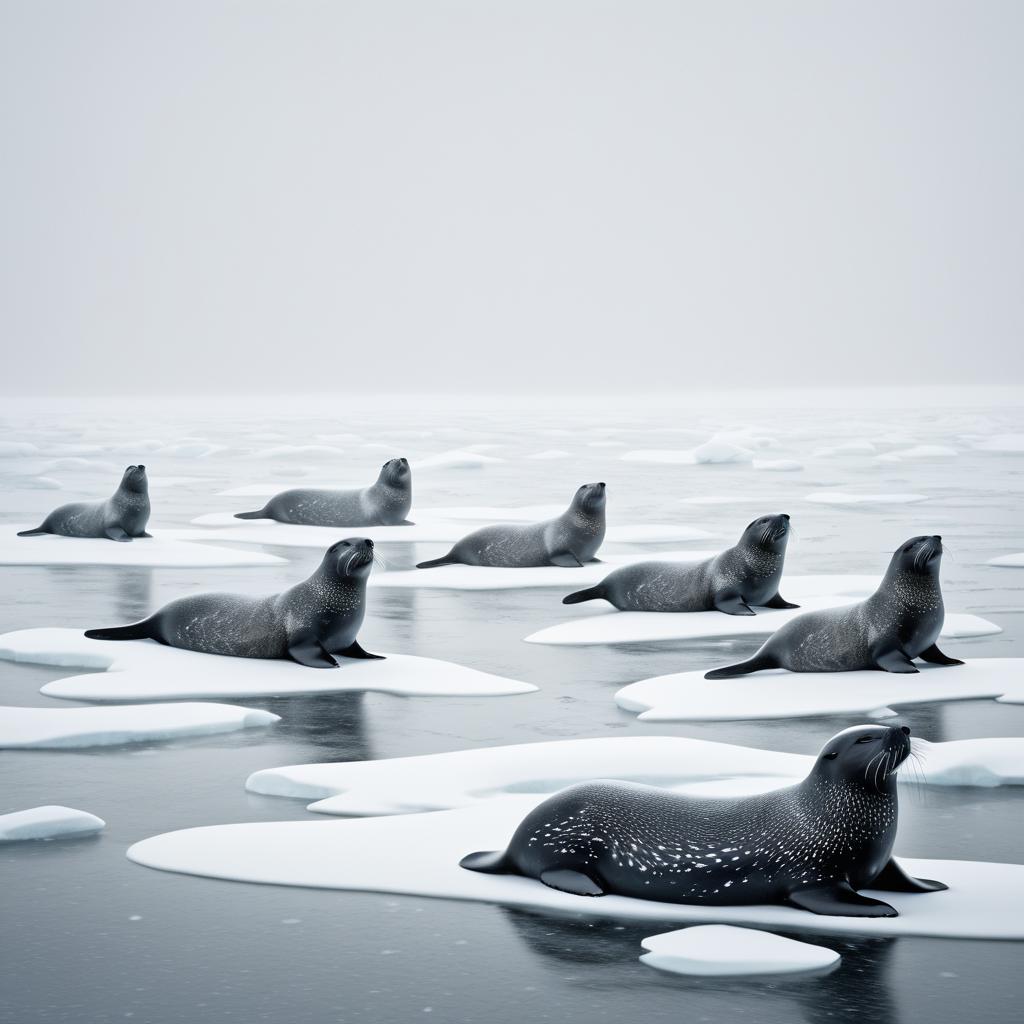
419, 854
861, 447
484, 577
49, 822
164, 549
1015, 561
457, 459
75, 465
606, 444
63, 728
551, 453
17, 450
722, 949
689, 697
778, 465
434, 782
720, 449
290, 451
812, 593
35, 483
842, 498
921, 451
190, 448
1002, 443
147, 671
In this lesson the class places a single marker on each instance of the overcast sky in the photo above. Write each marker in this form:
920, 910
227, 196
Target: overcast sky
477, 196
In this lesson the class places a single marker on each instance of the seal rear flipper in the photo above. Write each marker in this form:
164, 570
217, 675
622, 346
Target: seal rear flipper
258, 514
574, 882
778, 601
135, 631
37, 532
311, 654
487, 862
733, 604
117, 533
148, 536
565, 559
590, 594
355, 651
933, 655
758, 663
895, 661
892, 878
443, 560
840, 900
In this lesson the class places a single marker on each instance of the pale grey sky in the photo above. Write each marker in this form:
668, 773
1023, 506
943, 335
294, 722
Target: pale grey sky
564, 195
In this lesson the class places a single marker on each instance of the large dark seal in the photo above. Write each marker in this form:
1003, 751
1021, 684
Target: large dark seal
384, 503
812, 845
312, 623
569, 540
122, 516
744, 575
899, 622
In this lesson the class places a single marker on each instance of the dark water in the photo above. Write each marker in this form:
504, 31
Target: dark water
89, 936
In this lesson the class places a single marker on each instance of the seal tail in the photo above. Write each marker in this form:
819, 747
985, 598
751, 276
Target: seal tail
135, 631
37, 532
758, 663
260, 513
590, 594
487, 862
445, 560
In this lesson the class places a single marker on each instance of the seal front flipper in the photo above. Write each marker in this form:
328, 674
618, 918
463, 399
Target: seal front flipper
148, 536
355, 651
116, 533
840, 900
895, 661
778, 601
574, 882
487, 862
311, 654
565, 559
892, 878
935, 657
733, 604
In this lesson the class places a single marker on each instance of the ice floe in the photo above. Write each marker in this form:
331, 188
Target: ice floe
164, 549
842, 498
290, 451
147, 671
861, 447
722, 949
720, 449
483, 577
17, 450
419, 854
457, 459
778, 465
64, 728
668, 456
689, 697
1002, 443
551, 453
49, 822
190, 448
1015, 561
433, 782
812, 593
921, 451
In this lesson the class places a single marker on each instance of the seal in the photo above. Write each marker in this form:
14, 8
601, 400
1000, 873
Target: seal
121, 517
741, 576
812, 845
900, 621
313, 623
384, 503
568, 540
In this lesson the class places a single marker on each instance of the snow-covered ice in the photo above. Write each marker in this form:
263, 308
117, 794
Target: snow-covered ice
859, 447
688, 696
48, 822
778, 465
63, 728
457, 459
551, 453
147, 671
667, 456
291, 451
842, 498
720, 449
17, 450
986, 762
165, 549
723, 949
922, 451
1002, 443
419, 854
190, 448
1015, 561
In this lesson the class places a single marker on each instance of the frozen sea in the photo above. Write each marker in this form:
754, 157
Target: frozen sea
90, 937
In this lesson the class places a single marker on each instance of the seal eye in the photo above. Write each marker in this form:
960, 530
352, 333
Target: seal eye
832, 756
867, 739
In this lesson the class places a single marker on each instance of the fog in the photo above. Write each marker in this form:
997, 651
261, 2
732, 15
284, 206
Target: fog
475, 197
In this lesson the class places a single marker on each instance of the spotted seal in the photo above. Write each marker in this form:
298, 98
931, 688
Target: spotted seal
121, 517
899, 622
313, 623
812, 845
571, 539
384, 503
731, 582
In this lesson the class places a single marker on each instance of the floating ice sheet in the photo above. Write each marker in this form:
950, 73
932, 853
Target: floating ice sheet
49, 822
419, 854
842, 498
812, 593
147, 671
65, 728
722, 949
1015, 561
688, 696
165, 549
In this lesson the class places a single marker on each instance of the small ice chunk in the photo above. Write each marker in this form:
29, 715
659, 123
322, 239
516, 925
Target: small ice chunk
48, 822
457, 459
722, 949
923, 451
778, 465
719, 450
1015, 561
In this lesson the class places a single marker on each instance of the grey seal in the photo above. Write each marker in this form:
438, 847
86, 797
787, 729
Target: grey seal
384, 503
568, 540
812, 845
899, 622
731, 582
313, 623
121, 517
